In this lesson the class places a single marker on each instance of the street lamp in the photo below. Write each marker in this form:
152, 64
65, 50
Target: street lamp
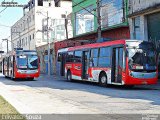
48, 42
7, 43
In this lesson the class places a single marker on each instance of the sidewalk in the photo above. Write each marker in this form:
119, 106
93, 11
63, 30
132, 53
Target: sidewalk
33, 100
51, 77
53, 95
54, 77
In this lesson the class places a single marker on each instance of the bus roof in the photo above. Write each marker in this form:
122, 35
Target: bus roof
15, 52
95, 45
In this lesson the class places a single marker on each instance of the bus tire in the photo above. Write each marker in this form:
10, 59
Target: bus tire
129, 86
12, 78
103, 79
69, 76
31, 79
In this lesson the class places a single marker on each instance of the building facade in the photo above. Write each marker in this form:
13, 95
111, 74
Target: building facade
144, 17
29, 31
114, 21
113, 16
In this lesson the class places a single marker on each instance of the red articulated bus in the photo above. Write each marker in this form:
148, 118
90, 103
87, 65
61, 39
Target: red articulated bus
119, 62
21, 64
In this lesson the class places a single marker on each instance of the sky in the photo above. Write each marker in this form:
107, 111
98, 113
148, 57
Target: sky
7, 18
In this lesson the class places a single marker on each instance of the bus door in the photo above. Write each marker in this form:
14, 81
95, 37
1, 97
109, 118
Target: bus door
7, 66
117, 64
85, 59
62, 64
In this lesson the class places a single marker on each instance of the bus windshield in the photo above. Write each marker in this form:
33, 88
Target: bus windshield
27, 62
22, 62
142, 59
32, 61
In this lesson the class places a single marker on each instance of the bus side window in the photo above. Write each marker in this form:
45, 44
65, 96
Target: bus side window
59, 57
10, 61
94, 57
78, 56
104, 57
69, 57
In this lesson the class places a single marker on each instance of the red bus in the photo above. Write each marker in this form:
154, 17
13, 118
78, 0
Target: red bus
21, 64
119, 62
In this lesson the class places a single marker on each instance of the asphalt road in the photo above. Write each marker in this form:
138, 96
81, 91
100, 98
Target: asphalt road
54, 95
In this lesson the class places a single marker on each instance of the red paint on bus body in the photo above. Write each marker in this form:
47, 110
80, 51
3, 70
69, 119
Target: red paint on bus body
76, 68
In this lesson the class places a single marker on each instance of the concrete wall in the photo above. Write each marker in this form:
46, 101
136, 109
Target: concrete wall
117, 16
42, 53
137, 5
122, 33
52, 13
25, 29
143, 28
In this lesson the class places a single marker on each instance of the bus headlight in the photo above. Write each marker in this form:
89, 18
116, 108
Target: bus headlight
19, 71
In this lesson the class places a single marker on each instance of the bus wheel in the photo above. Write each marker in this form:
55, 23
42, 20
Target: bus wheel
103, 79
129, 86
31, 79
69, 76
12, 78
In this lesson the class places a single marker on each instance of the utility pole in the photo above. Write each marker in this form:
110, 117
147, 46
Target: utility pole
66, 28
46, 29
11, 40
7, 45
48, 41
28, 32
99, 19
98, 16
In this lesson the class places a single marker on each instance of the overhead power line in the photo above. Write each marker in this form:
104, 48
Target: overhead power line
4, 25
5, 7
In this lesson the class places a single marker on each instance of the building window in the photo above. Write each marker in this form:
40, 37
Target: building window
40, 2
33, 37
137, 28
22, 42
57, 4
26, 41
29, 19
23, 25
111, 13
84, 21
33, 17
30, 38
17, 44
